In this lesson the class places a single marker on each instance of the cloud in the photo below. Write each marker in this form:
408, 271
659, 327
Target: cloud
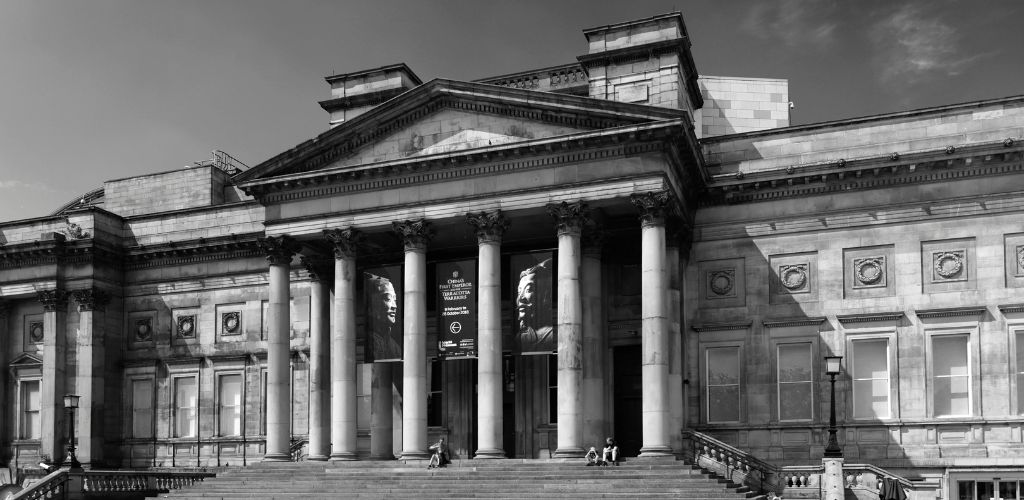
911, 46
795, 23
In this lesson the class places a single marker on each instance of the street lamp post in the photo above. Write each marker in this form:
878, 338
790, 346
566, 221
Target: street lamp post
70, 403
832, 449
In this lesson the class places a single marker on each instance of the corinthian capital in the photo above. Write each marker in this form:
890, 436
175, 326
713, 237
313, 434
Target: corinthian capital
53, 300
279, 249
91, 299
490, 226
345, 242
569, 217
415, 234
652, 207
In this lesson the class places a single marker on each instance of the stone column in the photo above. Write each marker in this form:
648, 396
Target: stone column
595, 340
4, 360
654, 323
382, 400
675, 345
92, 305
343, 344
569, 218
55, 313
319, 359
279, 251
489, 229
415, 235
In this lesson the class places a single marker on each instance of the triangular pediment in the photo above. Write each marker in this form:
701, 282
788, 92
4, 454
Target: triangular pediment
26, 360
444, 116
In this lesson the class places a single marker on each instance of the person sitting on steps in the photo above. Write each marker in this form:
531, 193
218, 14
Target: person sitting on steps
611, 452
441, 452
591, 457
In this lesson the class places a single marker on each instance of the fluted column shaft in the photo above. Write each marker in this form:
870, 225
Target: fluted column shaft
343, 345
416, 235
654, 324
279, 252
570, 219
489, 229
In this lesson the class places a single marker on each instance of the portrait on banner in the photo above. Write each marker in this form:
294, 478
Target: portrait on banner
534, 325
383, 292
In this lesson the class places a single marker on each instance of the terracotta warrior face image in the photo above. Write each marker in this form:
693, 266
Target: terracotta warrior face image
385, 303
531, 297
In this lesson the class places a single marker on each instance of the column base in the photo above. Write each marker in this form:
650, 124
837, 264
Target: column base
317, 458
383, 457
569, 453
414, 455
277, 457
342, 457
490, 454
656, 452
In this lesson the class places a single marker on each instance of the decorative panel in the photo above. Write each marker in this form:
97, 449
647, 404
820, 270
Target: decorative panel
869, 272
793, 277
230, 327
1014, 249
948, 265
723, 283
185, 326
141, 328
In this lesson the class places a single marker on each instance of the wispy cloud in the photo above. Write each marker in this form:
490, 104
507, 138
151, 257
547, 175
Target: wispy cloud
33, 186
911, 45
795, 23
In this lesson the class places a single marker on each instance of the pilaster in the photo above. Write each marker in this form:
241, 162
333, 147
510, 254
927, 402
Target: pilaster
55, 313
92, 306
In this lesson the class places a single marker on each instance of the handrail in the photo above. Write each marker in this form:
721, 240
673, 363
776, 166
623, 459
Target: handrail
880, 472
735, 462
295, 449
73, 485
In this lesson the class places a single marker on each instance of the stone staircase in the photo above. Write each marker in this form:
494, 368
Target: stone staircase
491, 479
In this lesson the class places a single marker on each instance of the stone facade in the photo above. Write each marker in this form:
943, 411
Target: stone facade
705, 257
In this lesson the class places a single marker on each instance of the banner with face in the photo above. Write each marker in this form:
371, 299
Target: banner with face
383, 293
534, 329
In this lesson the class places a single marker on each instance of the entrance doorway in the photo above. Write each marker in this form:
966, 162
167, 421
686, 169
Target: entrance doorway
628, 399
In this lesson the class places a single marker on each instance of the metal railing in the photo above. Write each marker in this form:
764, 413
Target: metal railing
65, 484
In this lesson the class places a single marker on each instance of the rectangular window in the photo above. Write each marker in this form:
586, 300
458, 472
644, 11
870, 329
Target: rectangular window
435, 399
951, 375
871, 378
796, 382
30, 404
723, 384
229, 401
1020, 372
142, 408
553, 388
186, 406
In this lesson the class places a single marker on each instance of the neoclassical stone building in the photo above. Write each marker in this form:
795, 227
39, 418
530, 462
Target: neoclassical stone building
689, 255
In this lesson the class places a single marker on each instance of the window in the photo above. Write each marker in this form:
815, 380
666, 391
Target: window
186, 406
142, 408
30, 405
229, 404
1020, 372
553, 388
870, 362
951, 375
796, 382
723, 384
435, 399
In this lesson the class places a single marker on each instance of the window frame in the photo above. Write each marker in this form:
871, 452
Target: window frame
176, 408
892, 345
21, 411
812, 345
218, 378
973, 369
132, 379
741, 414
1015, 340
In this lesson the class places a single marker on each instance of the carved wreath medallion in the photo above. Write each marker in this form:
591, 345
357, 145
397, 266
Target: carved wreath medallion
794, 276
35, 332
230, 323
143, 330
869, 271
722, 283
187, 327
948, 265
1020, 260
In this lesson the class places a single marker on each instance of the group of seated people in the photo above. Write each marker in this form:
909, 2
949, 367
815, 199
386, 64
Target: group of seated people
610, 454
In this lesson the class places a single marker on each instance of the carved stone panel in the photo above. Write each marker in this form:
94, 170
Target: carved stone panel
36, 332
141, 329
948, 265
185, 327
723, 283
793, 277
1014, 250
869, 272
230, 327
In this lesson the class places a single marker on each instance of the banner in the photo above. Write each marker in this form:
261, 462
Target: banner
533, 326
456, 309
382, 289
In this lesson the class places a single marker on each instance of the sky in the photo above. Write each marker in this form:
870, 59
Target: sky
93, 90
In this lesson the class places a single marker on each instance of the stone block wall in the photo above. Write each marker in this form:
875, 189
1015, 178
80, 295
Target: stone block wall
735, 105
176, 190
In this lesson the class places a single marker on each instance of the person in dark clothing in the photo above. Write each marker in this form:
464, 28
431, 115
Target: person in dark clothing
611, 452
441, 451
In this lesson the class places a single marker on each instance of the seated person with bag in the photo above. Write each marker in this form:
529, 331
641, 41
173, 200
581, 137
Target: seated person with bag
611, 452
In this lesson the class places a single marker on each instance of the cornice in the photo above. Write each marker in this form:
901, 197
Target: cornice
843, 175
787, 322
952, 312
869, 317
192, 251
368, 99
1011, 308
716, 327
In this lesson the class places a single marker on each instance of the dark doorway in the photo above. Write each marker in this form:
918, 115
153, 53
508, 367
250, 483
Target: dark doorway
508, 418
628, 400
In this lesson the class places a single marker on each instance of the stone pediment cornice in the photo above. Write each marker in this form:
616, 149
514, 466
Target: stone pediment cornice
348, 137
57, 249
540, 153
841, 175
191, 251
